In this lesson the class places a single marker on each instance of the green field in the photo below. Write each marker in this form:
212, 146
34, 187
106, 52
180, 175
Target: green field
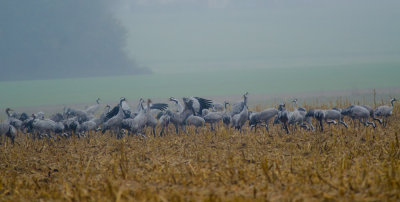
217, 83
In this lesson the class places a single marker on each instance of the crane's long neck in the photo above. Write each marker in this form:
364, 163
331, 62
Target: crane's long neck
98, 99
120, 111
148, 108
225, 107
8, 113
188, 110
179, 105
392, 101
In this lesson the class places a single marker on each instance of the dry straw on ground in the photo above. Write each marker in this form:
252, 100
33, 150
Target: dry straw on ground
338, 164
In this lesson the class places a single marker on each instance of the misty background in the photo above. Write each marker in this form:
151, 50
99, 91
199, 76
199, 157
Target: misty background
186, 35
64, 52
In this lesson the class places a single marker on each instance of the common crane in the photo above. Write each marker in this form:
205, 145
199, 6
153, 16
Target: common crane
329, 116
358, 112
94, 108
195, 121
238, 120
13, 121
263, 116
214, 117
8, 130
236, 108
385, 111
179, 118
114, 122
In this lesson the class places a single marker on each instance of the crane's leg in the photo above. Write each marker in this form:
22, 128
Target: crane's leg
321, 125
176, 128
308, 120
285, 126
162, 131
343, 123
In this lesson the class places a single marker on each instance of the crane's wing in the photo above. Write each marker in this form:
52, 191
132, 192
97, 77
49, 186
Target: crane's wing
236, 108
159, 106
112, 113
204, 104
301, 109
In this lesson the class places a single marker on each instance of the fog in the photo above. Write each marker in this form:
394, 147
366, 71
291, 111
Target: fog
179, 35
63, 39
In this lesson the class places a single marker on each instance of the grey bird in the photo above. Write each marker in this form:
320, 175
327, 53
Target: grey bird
195, 121
141, 120
154, 107
214, 117
13, 121
179, 118
238, 120
103, 115
88, 126
329, 116
178, 105
45, 127
359, 113
8, 130
115, 110
94, 108
385, 111
114, 123
298, 117
199, 104
236, 108
217, 107
371, 113
80, 114
262, 117
163, 122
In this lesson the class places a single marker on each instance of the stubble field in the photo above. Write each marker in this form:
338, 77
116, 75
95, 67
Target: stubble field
339, 164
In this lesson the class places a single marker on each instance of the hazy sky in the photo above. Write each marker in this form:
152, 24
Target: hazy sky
44, 39
185, 35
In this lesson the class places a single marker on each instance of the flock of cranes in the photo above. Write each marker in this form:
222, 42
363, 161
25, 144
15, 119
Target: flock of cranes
192, 111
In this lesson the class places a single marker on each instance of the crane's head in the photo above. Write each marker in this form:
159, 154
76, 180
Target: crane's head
188, 103
294, 100
9, 110
346, 111
226, 103
172, 99
281, 106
